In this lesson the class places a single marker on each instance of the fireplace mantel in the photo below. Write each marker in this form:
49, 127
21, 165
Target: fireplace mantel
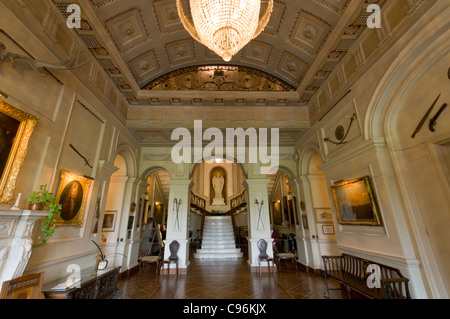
16, 241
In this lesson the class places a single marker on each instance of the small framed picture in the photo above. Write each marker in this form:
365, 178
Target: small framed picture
305, 222
323, 216
328, 229
109, 220
130, 222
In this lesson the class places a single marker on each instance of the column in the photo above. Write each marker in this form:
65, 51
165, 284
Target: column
177, 223
299, 234
259, 221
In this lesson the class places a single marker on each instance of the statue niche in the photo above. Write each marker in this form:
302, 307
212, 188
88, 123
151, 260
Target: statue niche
218, 187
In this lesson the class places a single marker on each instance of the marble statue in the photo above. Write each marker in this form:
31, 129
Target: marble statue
218, 182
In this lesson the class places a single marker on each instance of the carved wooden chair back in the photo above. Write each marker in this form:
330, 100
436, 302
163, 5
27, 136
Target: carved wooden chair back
25, 287
174, 247
262, 246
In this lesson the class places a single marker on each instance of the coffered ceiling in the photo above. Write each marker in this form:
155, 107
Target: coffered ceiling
142, 42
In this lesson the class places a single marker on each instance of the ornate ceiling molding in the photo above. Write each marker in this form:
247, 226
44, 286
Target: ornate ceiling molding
218, 78
136, 43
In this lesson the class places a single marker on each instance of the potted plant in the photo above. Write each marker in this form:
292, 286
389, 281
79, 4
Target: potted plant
40, 200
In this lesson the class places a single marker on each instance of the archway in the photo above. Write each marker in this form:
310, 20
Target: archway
319, 232
321, 205
284, 209
420, 161
113, 213
218, 194
153, 208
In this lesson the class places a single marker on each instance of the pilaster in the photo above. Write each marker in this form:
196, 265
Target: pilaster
259, 220
177, 219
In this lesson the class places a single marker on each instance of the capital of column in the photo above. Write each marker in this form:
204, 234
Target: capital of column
256, 182
179, 182
106, 169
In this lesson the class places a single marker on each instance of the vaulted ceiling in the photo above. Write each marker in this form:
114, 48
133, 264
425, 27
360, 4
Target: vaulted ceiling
153, 61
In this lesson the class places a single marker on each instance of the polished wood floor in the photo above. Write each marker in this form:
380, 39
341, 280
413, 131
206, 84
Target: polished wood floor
226, 279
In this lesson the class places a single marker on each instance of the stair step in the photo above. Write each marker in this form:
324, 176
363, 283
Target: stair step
219, 246
217, 250
218, 239
218, 256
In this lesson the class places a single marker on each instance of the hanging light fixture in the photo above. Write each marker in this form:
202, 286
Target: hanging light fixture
225, 26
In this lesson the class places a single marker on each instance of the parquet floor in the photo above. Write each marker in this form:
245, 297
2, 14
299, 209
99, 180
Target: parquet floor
226, 279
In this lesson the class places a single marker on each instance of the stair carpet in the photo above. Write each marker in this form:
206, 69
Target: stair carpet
218, 239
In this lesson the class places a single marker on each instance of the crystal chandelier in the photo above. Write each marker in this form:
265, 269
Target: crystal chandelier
225, 26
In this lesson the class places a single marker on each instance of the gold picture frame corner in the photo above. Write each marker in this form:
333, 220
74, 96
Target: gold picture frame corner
16, 154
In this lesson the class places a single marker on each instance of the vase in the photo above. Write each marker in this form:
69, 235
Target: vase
102, 264
17, 204
37, 206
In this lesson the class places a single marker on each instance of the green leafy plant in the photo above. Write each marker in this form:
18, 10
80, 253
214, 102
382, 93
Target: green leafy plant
48, 201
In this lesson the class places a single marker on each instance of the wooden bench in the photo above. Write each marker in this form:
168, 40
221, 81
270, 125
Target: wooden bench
353, 274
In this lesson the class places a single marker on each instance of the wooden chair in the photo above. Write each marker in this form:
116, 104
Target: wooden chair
150, 259
292, 256
262, 246
25, 287
198, 238
173, 258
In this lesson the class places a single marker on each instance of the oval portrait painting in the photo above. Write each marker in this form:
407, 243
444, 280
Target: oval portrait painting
71, 200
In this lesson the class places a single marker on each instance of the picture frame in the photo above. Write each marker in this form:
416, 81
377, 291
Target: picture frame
356, 203
276, 213
158, 212
305, 222
16, 128
130, 222
328, 229
72, 195
109, 220
324, 216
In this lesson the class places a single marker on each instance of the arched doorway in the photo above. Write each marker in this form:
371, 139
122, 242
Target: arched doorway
284, 210
316, 211
416, 78
152, 215
321, 206
218, 196
118, 237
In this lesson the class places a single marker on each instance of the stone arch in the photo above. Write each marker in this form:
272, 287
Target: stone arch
229, 158
429, 46
287, 171
153, 169
306, 154
127, 153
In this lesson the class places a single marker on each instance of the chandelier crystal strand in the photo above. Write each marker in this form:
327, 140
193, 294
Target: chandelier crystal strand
225, 26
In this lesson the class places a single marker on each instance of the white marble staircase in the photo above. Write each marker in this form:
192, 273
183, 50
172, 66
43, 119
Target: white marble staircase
218, 239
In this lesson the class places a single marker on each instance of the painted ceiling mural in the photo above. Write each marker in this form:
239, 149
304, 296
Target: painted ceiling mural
142, 45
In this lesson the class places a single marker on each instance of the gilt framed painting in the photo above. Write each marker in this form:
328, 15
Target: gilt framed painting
72, 195
356, 203
16, 128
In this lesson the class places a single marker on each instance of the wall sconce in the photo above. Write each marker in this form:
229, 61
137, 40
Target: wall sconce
259, 205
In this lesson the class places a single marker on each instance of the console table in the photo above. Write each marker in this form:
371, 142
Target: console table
101, 284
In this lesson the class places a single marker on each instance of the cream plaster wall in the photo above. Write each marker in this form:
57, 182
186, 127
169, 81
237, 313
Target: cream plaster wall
59, 103
391, 88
